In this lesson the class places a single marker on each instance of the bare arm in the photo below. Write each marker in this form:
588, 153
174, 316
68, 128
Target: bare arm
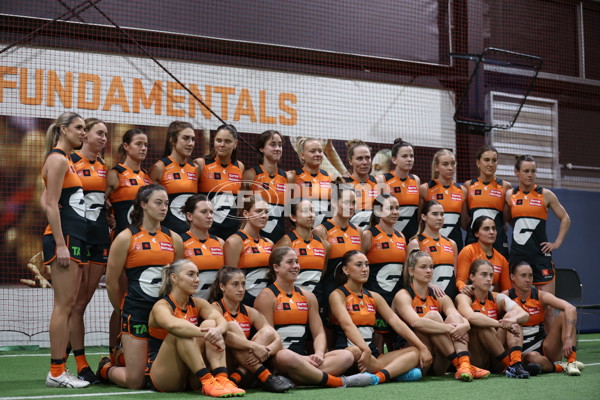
156, 172
115, 266
233, 250
565, 221
55, 168
463, 304
402, 305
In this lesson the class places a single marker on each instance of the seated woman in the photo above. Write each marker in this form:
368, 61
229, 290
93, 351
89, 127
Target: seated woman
246, 352
354, 308
293, 312
538, 347
184, 331
447, 339
496, 336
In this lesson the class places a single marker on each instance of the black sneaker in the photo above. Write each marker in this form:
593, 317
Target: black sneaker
88, 375
276, 384
517, 371
104, 361
533, 369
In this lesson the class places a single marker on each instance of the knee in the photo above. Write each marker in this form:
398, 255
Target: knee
346, 357
234, 327
355, 352
434, 316
287, 359
264, 336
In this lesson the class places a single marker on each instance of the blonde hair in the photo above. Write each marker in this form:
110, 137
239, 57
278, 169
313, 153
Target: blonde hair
436, 160
53, 132
166, 286
351, 145
301, 142
411, 261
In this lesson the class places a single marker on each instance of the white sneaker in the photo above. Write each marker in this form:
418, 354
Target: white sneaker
65, 380
579, 364
572, 369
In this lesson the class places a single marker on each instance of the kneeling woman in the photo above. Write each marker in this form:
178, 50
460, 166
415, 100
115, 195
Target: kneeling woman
293, 311
447, 339
354, 309
537, 346
183, 332
246, 352
483, 310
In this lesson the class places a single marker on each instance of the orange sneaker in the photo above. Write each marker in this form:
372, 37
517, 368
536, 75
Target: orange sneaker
463, 373
232, 387
479, 373
213, 388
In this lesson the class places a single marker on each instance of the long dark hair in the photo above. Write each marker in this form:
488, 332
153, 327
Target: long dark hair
340, 277
142, 196
426, 207
127, 138
231, 129
190, 204
378, 205
172, 133
224, 275
475, 267
262, 140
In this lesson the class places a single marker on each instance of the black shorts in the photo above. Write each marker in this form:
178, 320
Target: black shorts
381, 326
77, 248
133, 328
98, 253
543, 272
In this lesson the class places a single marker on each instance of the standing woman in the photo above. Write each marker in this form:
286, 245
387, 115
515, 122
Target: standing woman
404, 186
221, 179
310, 181
529, 204
184, 331
484, 229
270, 181
248, 250
295, 315
311, 250
92, 171
442, 250
451, 195
342, 236
447, 338
64, 241
354, 309
538, 347
204, 249
142, 250
496, 324
364, 184
487, 196
176, 173
385, 249
124, 180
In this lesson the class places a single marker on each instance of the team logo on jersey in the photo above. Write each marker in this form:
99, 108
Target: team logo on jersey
176, 176
216, 251
197, 252
413, 189
419, 310
340, 239
302, 306
477, 192
265, 185
355, 307
370, 307
234, 177
255, 250
302, 252
432, 249
307, 184
166, 246
354, 240
546, 272
439, 196
286, 306
86, 172
216, 175
146, 246
191, 176
496, 193
319, 252
448, 249
535, 202
385, 245
456, 196
397, 189
519, 202
131, 182
104, 252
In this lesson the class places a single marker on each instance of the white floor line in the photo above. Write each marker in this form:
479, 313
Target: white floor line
589, 340
62, 396
47, 355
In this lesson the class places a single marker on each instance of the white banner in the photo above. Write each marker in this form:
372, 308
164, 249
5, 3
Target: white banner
43, 83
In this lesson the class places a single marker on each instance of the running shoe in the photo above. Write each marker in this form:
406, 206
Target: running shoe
88, 375
213, 388
411, 376
360, 380
65, 380
276, 384
572, 369
479, 373
517, 371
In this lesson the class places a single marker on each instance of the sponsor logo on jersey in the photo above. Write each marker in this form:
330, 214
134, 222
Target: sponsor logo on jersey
413, 189
166, 246
233, 177
191, 176
497, 268
400, 245
280, 187
302, 305
448, 249
354, 240
216, 251
370, 307
546, 272
101, 173
495, 193
535, 202
373, 193
456, 196
325, 184
319, 252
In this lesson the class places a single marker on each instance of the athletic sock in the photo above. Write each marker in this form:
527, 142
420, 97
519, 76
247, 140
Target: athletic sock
221, 371
383, 375
558, 368
204, 376
262, 373
460, 358
516, 355
331, 381
57, 367
573, 355
504, 359
237, 377
80, 359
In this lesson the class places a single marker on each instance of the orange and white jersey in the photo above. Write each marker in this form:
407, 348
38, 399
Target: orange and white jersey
406, 191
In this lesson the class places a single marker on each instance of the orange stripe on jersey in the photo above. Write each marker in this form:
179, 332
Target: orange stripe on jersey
341, 240
317, 186
440, 250
220, 178
386, 248
366, 192
487, 307
474, 252
532, 305
272, 188
149, 249
528, 204
486, 195
130, 182
406, 192
240, 316
190, 314
451, 198
311, 257
423, 305
207, 255
289, 310
255, 253
361, 307
92, 174
178, 178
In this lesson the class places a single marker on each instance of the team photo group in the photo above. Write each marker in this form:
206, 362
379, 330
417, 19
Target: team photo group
225, 277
